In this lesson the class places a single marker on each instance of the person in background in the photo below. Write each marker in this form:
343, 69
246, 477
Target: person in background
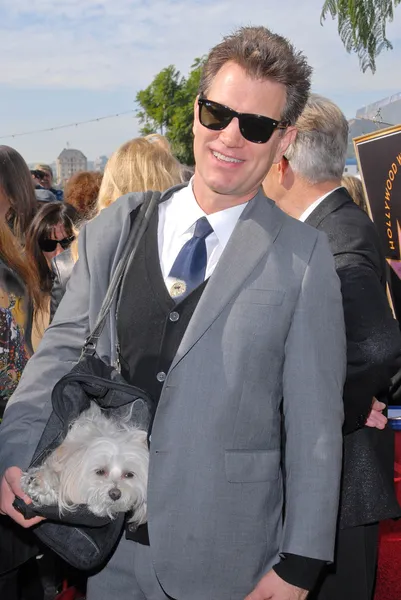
51, 232
19, 290
82, 191
44, 196
144, 163
19, 281
46, 180
354, 187
17, 196
307, 185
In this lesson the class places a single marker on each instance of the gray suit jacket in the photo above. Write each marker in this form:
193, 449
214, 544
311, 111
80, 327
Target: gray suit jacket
266, 340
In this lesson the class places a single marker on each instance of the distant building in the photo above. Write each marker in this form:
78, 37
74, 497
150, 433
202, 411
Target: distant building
358, 127
386, 111
379, 115
69, 162
100, 163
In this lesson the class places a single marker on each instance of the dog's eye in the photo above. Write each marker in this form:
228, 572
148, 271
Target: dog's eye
101, 472
129, 475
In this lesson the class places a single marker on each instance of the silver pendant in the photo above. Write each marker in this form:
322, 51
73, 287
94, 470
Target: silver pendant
178, 288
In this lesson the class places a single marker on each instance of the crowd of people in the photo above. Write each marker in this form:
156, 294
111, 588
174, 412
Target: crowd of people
255, 316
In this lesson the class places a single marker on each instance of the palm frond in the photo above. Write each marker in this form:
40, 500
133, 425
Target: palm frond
362, 26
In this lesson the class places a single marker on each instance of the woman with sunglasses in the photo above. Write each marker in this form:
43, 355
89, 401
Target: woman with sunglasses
51, 232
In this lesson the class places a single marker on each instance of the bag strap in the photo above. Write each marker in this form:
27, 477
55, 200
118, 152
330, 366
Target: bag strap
150, 200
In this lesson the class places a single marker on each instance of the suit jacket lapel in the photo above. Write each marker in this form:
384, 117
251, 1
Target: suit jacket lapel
252, 238
331, 203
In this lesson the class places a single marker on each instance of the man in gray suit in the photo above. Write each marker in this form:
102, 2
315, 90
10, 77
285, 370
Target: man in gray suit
231, 317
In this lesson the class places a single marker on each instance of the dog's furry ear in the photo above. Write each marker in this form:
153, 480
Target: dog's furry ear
143, 436
140, 514
66, 452
93, 412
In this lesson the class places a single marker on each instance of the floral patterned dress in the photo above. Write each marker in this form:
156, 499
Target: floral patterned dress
14, 351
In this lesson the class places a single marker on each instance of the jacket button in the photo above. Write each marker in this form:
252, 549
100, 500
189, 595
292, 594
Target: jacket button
132, 528
174, 316
161, 376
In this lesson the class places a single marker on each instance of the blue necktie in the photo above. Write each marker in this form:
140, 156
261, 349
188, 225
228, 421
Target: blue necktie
190, 265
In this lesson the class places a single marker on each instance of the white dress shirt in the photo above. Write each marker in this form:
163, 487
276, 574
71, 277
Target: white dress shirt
315, 204
177, 220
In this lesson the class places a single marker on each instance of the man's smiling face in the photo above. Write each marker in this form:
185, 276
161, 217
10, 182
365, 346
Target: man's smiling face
227, 163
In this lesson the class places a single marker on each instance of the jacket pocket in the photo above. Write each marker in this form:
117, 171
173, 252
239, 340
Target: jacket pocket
263, 297
252, 466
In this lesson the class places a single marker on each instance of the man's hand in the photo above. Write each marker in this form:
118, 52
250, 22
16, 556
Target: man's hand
272, 587
376, 418
9, 488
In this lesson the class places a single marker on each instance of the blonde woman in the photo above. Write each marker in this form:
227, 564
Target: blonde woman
139, 165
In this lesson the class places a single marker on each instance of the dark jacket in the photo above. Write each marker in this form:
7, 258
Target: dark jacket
373, 347
62, 266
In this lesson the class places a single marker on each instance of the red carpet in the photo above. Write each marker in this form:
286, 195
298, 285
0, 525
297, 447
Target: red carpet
388, 585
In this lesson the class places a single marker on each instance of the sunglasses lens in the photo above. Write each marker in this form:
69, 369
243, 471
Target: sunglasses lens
214, 116
257, 129
48, 245
254, 128
66, 242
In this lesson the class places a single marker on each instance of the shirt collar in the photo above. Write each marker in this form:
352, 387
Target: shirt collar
188, 211
307, 213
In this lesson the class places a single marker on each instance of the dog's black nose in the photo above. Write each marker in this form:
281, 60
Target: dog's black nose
115, 494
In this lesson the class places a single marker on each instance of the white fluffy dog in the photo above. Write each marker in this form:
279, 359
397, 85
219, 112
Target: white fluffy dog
103, 463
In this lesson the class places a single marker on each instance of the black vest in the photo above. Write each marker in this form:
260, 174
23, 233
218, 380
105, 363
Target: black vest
150, 324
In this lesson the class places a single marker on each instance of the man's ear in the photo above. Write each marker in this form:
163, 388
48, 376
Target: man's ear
196, 114
284, 142
282, 168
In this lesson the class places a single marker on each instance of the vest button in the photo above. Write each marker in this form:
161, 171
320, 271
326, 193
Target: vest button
174, 316
161, 376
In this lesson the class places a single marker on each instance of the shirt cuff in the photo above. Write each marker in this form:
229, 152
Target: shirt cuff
301, 571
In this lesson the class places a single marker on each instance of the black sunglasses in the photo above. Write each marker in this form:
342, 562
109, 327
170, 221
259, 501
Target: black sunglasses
47, 245
254, 128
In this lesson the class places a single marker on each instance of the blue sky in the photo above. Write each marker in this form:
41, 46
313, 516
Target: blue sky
65, 61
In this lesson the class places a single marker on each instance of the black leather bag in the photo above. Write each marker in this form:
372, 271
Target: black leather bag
80, 538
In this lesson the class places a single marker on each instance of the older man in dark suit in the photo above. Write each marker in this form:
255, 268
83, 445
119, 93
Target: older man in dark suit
306, 183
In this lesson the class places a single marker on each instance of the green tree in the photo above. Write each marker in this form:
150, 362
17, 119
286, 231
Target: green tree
167, 107
157, 101
362, 26
180, 131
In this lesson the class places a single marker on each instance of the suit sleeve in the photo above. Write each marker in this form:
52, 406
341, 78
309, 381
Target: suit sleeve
29, 407
373, 340
62, 266
313, 380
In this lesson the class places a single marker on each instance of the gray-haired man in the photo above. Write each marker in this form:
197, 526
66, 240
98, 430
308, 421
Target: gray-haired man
307, 185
